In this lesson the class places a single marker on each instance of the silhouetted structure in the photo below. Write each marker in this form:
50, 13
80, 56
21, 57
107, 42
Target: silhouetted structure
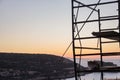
111, 33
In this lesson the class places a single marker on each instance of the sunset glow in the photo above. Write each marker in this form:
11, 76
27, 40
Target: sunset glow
37, 26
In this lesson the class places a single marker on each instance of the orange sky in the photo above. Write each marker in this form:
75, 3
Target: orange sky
41, 27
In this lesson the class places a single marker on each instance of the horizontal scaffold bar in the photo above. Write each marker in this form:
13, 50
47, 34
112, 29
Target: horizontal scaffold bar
103, 54
95, 20
93, 54
87, 48
96, 37
102, 70
111, 54
85, 38
102, 3
105, 17
110, 29
110, 42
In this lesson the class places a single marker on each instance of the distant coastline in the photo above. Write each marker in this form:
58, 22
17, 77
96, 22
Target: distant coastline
34, 66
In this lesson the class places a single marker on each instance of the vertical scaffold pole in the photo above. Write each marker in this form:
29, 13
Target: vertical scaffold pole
73, 42
101, 58
99, 24
119, 19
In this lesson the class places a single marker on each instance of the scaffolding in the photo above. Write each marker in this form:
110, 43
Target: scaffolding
92, 29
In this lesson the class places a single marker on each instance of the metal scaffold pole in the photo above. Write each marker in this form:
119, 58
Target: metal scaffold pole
73, 43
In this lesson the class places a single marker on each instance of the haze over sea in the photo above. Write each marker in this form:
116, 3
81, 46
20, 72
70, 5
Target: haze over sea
97, 76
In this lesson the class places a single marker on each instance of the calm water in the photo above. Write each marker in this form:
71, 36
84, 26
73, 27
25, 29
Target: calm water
97, 76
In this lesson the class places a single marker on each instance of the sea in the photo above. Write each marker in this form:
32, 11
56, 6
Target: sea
97, 75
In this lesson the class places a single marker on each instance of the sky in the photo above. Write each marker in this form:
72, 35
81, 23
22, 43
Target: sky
35, 26
38, 26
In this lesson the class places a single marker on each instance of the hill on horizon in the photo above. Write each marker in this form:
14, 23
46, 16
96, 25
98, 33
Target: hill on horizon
33, 66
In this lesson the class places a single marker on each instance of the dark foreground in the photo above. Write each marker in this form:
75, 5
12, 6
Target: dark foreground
34, 67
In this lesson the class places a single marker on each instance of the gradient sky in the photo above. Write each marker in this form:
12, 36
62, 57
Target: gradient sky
36, 26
